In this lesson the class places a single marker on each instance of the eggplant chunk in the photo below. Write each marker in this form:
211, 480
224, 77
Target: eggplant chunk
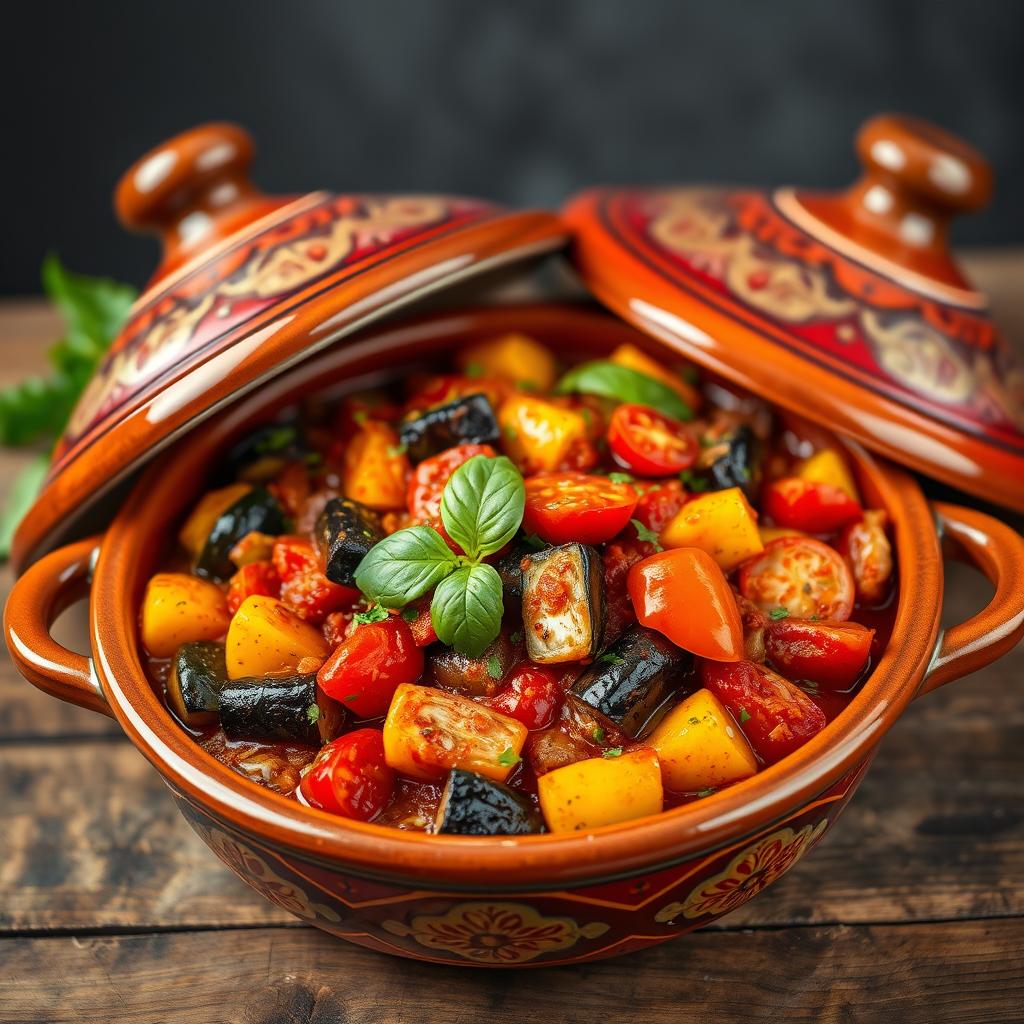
732, 460
345, 532
629, 680
197, 676
510, 567
262, 454
472, 805
563, 603
478, 677
579, 733
288, 708
468, 420
255, 511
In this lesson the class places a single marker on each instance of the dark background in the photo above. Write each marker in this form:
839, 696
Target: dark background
524, 101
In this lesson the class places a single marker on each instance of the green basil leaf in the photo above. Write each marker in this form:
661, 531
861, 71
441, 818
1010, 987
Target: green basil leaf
482, 505
467, 608
610, 380
404, 566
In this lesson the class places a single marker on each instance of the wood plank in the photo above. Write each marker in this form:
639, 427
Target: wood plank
967, 972
936, 831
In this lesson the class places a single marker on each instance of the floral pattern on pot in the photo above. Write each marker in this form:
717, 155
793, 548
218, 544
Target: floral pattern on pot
252, 869
496, 933
750, 871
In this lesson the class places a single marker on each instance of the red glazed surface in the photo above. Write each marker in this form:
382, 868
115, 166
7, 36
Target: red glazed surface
526, 900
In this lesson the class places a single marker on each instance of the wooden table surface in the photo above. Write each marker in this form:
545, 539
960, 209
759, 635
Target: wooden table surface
912, 910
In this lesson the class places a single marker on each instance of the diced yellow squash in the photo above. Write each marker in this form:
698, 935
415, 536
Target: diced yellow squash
428, 732
513, 357
267, 638
178, 609
722, 523
828, 467
601, 791
770, 533
375, 468
211, 507
537, 435
634, 358
700, 746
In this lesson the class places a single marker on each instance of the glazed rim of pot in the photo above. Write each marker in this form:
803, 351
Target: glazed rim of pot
134, 543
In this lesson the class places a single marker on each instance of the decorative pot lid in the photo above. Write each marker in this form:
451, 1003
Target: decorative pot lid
847, 308
250, 284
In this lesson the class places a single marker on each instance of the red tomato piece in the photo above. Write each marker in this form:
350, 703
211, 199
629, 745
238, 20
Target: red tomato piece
806, 505
684, 595
256, 578
421, 627
775, 715
659, 503
313, 597
291, 488
366, 669
295, 555
336, 627
564, 507
803, 576
649, 443
350, 777
832, 654
531, 695
617, 559
426, 485
867, 551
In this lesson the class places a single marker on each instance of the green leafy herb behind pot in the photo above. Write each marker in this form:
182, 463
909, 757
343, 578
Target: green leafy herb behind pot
36, 411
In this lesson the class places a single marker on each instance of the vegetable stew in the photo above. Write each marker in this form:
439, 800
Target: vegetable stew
518, 597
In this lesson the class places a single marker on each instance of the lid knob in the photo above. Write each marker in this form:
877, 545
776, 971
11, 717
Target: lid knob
192, 190
916, 178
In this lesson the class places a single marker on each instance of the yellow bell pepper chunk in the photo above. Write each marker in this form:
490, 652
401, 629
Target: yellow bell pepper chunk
210, 508
601, 791
828, 467
513, 357
634, 358
178, 609
722, 523
375, 469
701, 747
267, 638
538, 435
428, 732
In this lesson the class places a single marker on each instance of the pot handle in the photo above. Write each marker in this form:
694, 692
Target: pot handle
977, 539
48, 587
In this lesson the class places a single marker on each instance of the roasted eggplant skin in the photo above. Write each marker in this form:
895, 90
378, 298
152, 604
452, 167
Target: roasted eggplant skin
629, 680
563, 603
732, 460
345, 531
256, 511
467, 420
198, 674
279, 708
262, 454
472, 805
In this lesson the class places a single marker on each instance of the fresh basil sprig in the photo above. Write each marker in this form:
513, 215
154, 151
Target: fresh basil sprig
609, 380
481, 509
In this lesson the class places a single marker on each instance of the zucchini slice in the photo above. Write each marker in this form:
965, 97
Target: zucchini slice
197, 676
256, 510
468, 420
344, 533
472, 805
563, 603
288, 708
631, 679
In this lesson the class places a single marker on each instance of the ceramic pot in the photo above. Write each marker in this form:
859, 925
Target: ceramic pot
535, 900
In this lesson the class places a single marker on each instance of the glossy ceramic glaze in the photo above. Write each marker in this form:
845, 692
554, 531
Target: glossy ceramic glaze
505, 901
848, 309
248, 285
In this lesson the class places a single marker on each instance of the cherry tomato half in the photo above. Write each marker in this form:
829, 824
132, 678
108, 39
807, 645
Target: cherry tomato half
564, 507
649, 443
832, 654
807, 505
802, 575
530, 695
774, 714
426, 485
367, 667
684, 594
350, 777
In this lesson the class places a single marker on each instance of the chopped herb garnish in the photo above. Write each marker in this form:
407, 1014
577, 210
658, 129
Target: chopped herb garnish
474, 371
510, 432
692, 482
313, 713
394, 450
620, 478
535, 542
410, 614
494, 667
360, 416
612, 659
313, 459
508, 757
779, 613
526, 385
375, 614
694, 720
646, 534
707, 792
612, 752
516, 637
744, 716
598, 734
349, 697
